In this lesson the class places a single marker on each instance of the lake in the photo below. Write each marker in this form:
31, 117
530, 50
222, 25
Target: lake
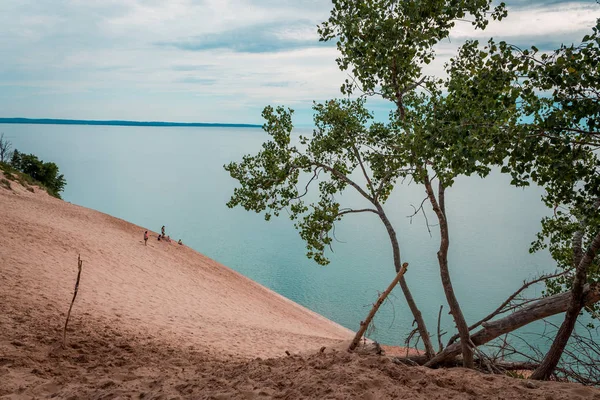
154, 176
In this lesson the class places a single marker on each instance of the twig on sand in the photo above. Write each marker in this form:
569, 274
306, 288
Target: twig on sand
79, 264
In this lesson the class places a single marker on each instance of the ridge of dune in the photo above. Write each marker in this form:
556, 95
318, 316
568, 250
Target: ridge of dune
166, 322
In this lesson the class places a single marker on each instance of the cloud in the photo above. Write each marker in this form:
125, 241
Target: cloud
278, 84
545, 24
550, 22
261, 38
202, 81
209, 60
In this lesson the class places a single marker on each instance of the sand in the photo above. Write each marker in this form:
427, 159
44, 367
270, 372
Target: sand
164, 321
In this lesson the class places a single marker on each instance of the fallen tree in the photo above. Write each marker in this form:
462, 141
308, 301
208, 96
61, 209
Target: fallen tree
543, 308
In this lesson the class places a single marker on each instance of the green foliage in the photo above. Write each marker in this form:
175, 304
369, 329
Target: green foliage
46, 173
344, 139
564, 136
535, 115
385, 43
553, 138
459, 126
448, 126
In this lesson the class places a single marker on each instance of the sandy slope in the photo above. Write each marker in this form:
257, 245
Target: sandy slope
164, 321
160, 289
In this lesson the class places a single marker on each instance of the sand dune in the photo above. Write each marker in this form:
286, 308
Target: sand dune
159, 289
163, 321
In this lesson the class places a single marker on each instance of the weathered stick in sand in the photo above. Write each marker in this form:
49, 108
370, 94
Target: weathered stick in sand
365, 324
79, 264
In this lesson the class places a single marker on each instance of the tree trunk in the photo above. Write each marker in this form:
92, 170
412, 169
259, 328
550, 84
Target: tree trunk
429, 351
576, 303
459, 319
552, 357
365, 324
535, 311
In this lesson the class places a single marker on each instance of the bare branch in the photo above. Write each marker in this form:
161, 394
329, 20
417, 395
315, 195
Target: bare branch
351, 211
439, 334
315, 176
417, 209
364, 93
424, 215
5, 149
365, 324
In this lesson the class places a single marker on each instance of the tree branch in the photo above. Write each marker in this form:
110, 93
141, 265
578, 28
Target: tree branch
439, 334
424, 215
357, 211
500, 309
364, 171
315, 176
413, 85
344, 178
541, 309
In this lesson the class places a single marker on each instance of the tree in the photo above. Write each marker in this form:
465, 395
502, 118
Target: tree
487, 112
343, 144
565, 135
47, 173
385, 45
5, 149
557, 150
553, 140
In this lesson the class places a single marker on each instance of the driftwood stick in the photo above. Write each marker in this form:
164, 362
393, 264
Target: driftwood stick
365, 324
79, 265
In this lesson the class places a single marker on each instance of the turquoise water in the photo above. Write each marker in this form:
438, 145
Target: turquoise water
155, 176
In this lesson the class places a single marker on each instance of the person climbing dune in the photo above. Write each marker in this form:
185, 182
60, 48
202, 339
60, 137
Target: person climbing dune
146, 238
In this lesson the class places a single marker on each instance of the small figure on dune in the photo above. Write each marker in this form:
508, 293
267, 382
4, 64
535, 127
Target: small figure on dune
146, 238
162, 231
168, 239
180, 242
159, 238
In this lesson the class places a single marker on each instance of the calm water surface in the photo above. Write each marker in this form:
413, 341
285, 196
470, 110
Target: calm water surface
174, 176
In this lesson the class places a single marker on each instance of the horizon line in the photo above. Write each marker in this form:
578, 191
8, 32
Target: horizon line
60, 121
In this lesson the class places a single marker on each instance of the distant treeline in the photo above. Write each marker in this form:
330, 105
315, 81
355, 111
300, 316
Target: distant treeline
51, 121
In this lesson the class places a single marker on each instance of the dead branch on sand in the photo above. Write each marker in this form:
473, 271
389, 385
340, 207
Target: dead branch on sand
365, 324
79, 265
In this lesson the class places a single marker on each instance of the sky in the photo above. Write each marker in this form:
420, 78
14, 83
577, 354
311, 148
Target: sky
206, 60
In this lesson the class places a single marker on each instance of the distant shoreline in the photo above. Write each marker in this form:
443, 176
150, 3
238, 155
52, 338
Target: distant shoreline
53, 121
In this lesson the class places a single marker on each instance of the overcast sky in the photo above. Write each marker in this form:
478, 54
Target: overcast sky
204, 60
